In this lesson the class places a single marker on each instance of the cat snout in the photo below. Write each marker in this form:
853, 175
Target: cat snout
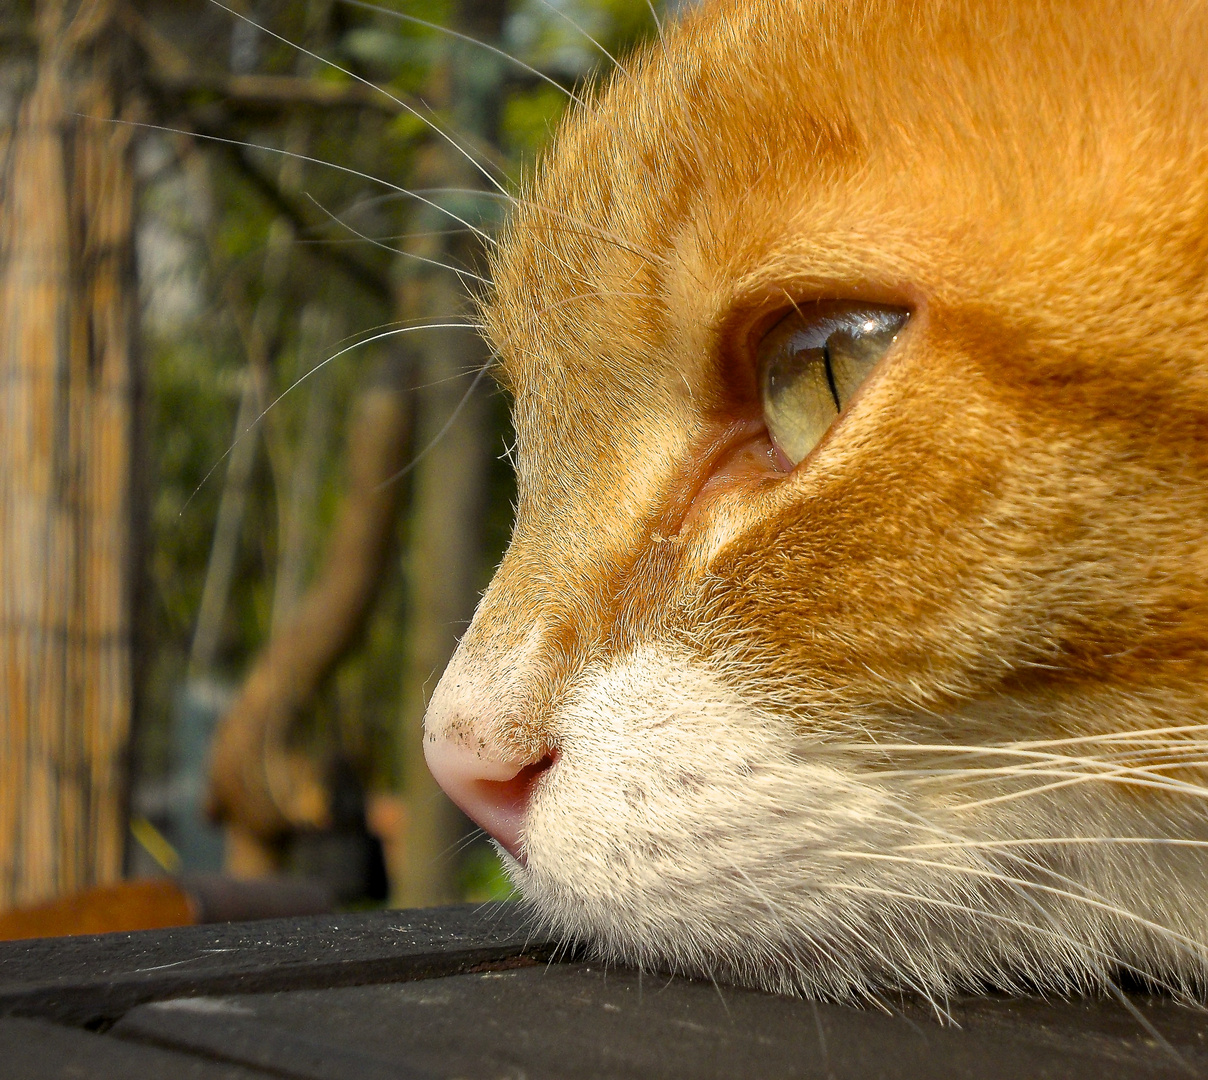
480, 740
492, 793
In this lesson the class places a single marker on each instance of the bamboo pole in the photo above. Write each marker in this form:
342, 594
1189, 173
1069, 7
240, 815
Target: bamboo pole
67, 391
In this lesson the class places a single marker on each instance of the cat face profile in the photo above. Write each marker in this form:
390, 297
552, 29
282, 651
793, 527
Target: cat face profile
853, 635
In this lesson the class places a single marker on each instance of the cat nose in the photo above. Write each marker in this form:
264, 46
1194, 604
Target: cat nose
494, 794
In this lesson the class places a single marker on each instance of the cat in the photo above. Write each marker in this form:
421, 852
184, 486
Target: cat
853, 635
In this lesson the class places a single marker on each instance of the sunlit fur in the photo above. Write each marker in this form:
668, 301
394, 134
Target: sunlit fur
929, 711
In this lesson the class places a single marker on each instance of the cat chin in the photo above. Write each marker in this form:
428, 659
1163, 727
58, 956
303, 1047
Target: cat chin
686, 830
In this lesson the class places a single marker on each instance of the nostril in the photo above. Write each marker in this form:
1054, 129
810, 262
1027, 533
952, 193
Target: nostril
516, 792
501, 806
494, 794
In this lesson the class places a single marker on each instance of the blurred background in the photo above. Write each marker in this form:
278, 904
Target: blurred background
252, 476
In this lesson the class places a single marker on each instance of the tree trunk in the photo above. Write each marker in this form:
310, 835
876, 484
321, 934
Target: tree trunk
442, 566
445, 555
258, 786
67, 400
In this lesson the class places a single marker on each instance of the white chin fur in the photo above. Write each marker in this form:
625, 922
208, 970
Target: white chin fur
683, 829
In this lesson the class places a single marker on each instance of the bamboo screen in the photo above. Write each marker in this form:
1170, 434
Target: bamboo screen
66, 420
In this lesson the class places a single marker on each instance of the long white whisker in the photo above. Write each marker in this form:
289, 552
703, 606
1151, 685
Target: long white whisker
472, 41
1113, 736
221, 140
1053, 765
1084, 894
1159, 760
1056, 841
1133, 763
578, 29
301, 379
658, 23
580, 227
1123, 777
1196, 947
478, 377
998, 917
1031, 752
576, 226
419, 234
373, 86
461, 273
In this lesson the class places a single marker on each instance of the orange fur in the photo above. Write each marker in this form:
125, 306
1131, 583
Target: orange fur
1003, 538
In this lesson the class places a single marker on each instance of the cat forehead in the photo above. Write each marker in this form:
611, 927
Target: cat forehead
765, 143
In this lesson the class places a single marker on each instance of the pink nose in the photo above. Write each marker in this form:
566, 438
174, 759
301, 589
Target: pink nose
493, 794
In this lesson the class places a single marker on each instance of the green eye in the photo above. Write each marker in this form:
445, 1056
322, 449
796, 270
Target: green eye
813, 361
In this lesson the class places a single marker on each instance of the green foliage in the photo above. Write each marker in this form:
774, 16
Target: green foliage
529, 120
482, 876
256, 279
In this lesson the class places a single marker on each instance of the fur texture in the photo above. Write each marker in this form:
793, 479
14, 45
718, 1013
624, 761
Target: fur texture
927, 712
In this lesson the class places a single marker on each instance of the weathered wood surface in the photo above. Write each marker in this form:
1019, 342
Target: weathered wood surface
469, 992
95, 980
33, 1049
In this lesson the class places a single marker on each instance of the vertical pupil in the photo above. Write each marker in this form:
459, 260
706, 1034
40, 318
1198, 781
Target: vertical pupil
830, 376
810, 368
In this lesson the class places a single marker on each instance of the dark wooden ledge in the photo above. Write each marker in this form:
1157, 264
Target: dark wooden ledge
93, 981
472, 992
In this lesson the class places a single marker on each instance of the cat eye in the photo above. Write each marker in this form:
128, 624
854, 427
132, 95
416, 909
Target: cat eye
813, 361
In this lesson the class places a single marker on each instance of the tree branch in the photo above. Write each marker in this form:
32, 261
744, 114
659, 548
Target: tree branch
173, 72
275, 91
256, 783
360, 271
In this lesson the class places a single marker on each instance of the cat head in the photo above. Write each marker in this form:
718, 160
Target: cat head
902, 693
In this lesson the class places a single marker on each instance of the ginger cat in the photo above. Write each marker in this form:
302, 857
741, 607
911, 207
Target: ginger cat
853, 636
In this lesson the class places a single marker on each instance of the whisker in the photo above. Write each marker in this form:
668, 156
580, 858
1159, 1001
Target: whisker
435, 127
1197, 948
1134, 763
561, 302
658, 23
1047, 764
578, 29
1070, 779
301, 379
582, 229
308, 159
998, 917
1112, 736
461, 273
1031, 750
577, 227
472, 41
1057, 841
422, 234
480, 372
478, 377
